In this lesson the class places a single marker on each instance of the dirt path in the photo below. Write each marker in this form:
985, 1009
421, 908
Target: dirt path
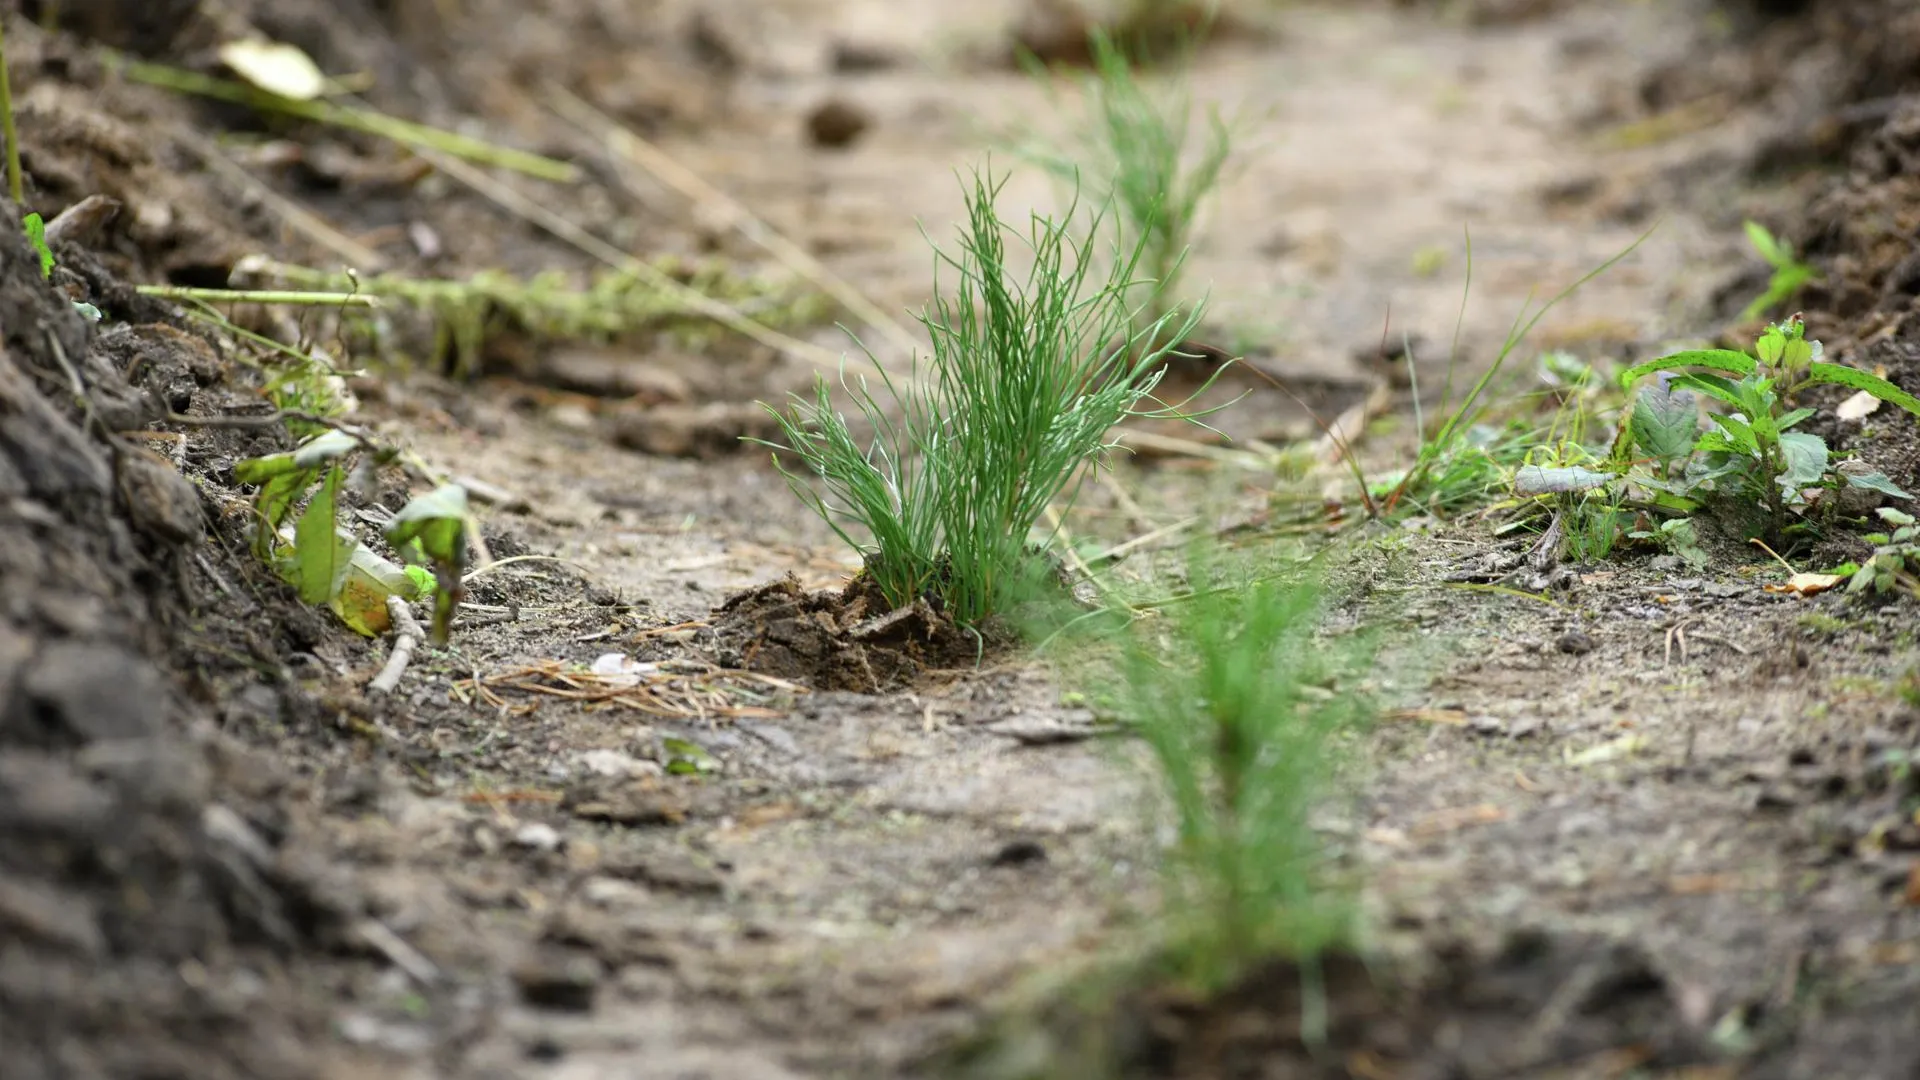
885, 864
1624, 825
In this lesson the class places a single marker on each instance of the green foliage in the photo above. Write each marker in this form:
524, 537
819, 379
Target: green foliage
1790, 275
1896, 557
1026, 378
1432, 481
1750, 449
37, 237
1133, 145
326, 562
1242, 707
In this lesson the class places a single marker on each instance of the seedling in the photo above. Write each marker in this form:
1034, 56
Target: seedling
1025, 379
326, 562
1134, 145
1751, 447
1241, 707
1790, 275
1896, 557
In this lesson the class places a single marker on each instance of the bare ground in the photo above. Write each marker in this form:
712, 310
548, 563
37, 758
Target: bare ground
1659, 824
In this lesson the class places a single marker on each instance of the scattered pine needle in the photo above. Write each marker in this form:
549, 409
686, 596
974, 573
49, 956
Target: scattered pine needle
684, 690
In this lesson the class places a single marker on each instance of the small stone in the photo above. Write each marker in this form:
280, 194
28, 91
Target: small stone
1575, 643
836, 124
537, 836
1022, 852
610, 892
616, 764
563, 982
1488, 725
162, 503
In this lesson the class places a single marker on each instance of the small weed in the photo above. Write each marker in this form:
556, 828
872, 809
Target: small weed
1134, 147
1896, 557
1751, 449
1026, 378
1790, 275
1241, 709
1445, 472
326, 562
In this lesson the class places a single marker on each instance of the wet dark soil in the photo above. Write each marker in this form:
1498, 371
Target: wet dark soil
687, 803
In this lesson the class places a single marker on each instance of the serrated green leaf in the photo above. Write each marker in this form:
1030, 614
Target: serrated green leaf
1723, 390
1861, 380
321, 555
1727, 360
1792, 418
1739, 433
1545, 480
1806, 456
1880, 482
1665, 422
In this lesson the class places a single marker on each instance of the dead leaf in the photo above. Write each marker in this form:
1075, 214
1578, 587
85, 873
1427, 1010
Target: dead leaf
1913, 886
1449, 717
1445, 821
1611, 750
1804, 584
1858, 407
275, 67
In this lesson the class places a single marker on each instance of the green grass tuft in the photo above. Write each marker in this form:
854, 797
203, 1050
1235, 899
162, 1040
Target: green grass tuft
1135, 144
1242, 708
1026, 378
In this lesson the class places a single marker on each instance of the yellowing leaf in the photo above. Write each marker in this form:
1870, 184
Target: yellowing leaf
1808, 584
275, 67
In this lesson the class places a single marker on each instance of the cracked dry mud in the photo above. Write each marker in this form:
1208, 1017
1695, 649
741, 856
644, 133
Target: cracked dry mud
1653, 825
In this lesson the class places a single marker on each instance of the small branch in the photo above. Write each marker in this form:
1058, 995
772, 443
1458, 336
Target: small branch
271, 419
258, 296
407, 637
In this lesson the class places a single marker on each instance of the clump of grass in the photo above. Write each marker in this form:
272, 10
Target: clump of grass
1136, 145
1026, 378
1239, 704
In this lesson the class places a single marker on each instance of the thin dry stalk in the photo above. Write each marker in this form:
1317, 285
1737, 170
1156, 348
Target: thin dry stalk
634, 149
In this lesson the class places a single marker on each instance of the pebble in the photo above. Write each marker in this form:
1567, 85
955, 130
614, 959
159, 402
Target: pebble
538, 835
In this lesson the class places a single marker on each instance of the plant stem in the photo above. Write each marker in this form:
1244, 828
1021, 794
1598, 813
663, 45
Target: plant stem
258, 296
16, 190
358, 119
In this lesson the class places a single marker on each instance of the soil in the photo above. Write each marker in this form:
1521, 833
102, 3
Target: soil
679, 799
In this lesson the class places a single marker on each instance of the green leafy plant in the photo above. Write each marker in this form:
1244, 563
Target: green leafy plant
1025, 380
1448, 471
1242, 708
326, 563
1896, 557
1790, 275
1134, 145
1751, 446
